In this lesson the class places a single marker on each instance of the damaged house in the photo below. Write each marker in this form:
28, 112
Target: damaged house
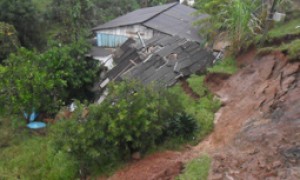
162, 59
157, 44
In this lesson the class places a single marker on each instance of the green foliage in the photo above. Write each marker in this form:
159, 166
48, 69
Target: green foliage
226, 65
132, 118
74, 18
196, 83
232, 16
292, 50
201, 110
283, 30
44, 81
182, 125
32, 159
197, 169
9, 41
137, 116
24, 16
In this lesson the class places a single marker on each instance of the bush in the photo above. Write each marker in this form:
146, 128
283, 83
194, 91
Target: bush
132, 118
201, 110
182, 125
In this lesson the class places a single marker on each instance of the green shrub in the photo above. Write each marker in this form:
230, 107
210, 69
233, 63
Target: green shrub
201, 110
131, 119
182, 125
196, 169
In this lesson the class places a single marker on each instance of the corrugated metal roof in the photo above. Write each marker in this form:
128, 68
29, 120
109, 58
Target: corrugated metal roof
99, 51
178, 20
173, 19
135, 17
163, 60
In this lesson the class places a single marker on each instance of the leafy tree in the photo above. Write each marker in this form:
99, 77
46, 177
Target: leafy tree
76, 17
9, 41
24, 16
47, 80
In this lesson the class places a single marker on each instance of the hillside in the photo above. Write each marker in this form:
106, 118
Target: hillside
256, 131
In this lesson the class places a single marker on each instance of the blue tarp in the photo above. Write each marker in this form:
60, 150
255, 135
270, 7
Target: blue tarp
110, 40
36, 125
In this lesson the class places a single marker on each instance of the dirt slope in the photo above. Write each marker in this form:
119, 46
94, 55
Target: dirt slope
262, 114
257, 132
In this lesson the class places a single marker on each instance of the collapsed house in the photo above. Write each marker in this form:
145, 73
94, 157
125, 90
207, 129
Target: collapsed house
155, 44
162, 59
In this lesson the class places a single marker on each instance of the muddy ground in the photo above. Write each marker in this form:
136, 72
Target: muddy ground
257, 131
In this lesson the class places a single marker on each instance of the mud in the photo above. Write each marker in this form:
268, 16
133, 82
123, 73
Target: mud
257, 131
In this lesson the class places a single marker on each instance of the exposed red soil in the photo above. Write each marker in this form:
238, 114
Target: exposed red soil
257, 131
188, 90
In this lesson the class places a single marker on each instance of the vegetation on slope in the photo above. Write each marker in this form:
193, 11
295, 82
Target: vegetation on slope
285, 35
197, 169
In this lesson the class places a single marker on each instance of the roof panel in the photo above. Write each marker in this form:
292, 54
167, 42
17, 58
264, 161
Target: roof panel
135, 17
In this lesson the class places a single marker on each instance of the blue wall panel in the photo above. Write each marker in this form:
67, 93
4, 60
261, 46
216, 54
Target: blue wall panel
110, 40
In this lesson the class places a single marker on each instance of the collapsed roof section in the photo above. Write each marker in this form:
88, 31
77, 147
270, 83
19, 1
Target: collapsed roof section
163, 60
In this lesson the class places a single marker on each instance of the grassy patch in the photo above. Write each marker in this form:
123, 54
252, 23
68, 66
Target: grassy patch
283, 29
25, 156
226, 65
292, 50
202, 110
196, 83
31, 159
196, 169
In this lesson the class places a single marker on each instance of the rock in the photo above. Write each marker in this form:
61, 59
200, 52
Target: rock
136, 156
262, 163
290, 69
217, 177
219, 157
276, 164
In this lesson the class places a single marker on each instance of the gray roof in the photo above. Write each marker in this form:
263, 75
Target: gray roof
135, 17
178, 20
99, 52
173, 19
164, 60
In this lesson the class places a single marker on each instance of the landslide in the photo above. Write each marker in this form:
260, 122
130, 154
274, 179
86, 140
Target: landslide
257, 131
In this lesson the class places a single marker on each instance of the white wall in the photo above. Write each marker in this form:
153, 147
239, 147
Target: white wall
189, 2
130, 31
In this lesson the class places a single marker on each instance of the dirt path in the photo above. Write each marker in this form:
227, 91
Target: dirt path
257, 131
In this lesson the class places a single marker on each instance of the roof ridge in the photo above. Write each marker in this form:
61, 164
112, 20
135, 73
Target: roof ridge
168, 7
164, 10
